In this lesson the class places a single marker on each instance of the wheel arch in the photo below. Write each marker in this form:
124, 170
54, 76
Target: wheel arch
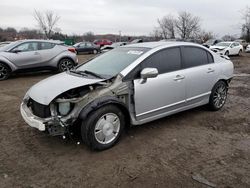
101, 102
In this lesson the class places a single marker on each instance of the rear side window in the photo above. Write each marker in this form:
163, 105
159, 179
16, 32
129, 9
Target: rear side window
46, 45
166, 60
194, 56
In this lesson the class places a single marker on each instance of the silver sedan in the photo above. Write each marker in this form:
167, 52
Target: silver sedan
129, 85
30, 55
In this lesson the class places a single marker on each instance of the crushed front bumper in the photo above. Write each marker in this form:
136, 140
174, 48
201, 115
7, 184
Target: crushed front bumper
31, 119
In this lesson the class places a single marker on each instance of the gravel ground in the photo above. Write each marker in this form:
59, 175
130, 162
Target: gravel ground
171, 152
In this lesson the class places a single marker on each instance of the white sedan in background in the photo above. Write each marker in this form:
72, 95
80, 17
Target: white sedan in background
227, 48
247, 49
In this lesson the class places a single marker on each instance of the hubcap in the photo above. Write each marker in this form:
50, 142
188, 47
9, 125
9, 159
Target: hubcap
107, 128
3, 72
66, 65
220, 96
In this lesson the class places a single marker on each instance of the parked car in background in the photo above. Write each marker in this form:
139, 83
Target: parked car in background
244, 43
227, 48
136, 41
87, 47
130, 85
31, 55
112, 46
211, 42
2, 44
102, 42
247, 49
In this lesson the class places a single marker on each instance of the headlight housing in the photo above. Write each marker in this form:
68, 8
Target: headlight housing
64, 108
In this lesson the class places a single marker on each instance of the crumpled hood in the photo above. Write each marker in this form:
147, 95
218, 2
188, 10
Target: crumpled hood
48, 89
218, 47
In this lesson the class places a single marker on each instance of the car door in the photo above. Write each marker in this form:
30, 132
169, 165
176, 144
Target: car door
200, 73
233, 49
25, 55
47, 51
164, 93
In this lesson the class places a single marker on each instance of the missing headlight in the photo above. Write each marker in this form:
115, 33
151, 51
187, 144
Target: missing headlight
64, 108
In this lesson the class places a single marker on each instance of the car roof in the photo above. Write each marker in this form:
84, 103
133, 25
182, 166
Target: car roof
41, 40
152, 45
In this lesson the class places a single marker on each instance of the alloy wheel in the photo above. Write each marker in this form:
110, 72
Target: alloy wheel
4, 72
220, 96
66, 65
107, 128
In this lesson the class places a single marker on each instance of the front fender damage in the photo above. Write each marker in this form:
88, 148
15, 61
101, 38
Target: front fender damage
112, 91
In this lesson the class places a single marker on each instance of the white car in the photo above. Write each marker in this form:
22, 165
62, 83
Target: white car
227, 48
247, 49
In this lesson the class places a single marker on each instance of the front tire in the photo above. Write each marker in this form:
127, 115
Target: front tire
95, 51
103, 127
227, 53
240, 52
218, 96
65, 64
4, 72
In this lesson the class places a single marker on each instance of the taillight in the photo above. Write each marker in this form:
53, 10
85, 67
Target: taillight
73, 50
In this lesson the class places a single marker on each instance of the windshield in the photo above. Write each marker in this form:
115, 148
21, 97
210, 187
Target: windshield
223, 44
209, 42
113, 62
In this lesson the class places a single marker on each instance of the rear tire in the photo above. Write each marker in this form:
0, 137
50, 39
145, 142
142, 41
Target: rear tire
95, 51
103, 127
4, 72
227, 53
218, 96
65, 64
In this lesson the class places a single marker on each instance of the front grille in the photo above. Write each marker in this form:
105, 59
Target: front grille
39, 110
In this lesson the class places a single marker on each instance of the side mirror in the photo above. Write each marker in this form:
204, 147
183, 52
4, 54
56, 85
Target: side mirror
148, 73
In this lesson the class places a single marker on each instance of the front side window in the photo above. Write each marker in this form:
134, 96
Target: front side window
113, 62
194, 56
26, 47
166, 60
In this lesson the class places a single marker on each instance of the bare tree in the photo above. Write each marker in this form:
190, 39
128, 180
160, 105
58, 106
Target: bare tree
204, 36
156, 34
167, 26
246, 24
47, 21
187, 25
89, 36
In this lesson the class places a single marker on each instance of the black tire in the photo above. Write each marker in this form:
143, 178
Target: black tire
239, 54
95, 51
218, 96
90, 125
227, 53
4, 72
65, 64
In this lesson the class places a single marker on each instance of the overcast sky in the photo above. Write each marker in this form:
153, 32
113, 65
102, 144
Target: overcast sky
133, 17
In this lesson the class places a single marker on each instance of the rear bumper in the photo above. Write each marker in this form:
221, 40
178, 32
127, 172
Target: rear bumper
32, 120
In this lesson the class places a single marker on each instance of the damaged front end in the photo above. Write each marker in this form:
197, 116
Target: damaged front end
63, 111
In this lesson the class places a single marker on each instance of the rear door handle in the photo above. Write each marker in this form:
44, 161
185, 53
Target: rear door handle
179, 77
209, 70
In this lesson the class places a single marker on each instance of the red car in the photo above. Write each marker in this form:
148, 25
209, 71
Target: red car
102, 42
